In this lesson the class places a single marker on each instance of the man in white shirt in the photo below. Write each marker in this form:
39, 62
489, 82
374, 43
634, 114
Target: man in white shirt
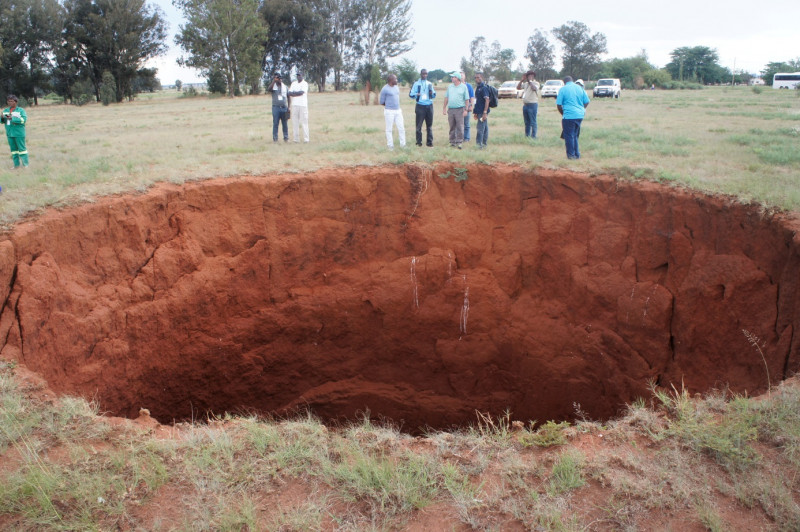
299, 98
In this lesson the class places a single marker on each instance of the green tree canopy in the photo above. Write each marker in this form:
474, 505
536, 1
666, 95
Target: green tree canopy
223, 37
541, 55
696, 63
581, 50
113, 35
629, 70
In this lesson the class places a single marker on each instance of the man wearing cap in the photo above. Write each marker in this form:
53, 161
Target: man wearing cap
423, 92
14, 118
531, 93
456, 101
390, 100
280, 107
298, 94
571, 103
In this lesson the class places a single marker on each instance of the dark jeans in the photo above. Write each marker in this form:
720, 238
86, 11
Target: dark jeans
279, 115
424, 114
572, 130
482, 137
529, 112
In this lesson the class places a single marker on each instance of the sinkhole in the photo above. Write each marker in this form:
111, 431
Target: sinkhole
419, 294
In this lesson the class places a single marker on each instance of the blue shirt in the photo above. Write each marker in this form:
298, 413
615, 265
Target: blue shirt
390, 97
470, 90
573, 100
423, 92
481, 93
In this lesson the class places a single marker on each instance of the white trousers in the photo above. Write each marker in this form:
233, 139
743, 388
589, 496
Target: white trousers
394, 116
300, 116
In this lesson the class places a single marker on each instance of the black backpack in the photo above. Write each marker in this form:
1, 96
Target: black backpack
492, 95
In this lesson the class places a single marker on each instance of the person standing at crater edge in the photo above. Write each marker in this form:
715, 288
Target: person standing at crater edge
423, 92
14, 118
280, 107
572, 103
390, 100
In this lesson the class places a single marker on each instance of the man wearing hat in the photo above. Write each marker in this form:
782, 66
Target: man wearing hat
15, 118
280, 107
456, 101
530, 102
572, 103
298, 93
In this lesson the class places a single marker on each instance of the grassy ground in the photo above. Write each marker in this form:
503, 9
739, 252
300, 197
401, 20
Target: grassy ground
671, 463
728, 140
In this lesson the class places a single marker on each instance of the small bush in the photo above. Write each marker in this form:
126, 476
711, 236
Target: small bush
548, 435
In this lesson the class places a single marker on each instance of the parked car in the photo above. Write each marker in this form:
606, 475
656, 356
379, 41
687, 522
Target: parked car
551, 87
508, 89
608, 87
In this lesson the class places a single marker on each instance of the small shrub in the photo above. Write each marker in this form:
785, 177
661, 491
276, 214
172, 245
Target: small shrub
548, 435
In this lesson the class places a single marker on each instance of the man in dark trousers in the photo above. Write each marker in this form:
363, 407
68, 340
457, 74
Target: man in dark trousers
424, 93
280, 107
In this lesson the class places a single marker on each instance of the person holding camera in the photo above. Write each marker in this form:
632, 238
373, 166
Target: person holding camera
280, 107
423, 92
530, 102
14, 118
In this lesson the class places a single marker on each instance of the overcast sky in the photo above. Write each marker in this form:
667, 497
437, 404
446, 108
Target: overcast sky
746, 35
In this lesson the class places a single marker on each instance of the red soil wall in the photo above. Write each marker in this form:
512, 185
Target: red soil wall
395, 290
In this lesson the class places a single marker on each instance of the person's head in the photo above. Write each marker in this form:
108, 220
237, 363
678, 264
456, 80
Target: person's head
567, 79
423, 74
579, 82
530, 74
455, 77
299, 76
276, 77
11, 100
392, 80
478, 77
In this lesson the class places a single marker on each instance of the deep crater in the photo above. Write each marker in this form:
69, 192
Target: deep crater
403, 292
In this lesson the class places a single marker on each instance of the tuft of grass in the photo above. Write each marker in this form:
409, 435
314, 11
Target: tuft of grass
547, 435
567, 473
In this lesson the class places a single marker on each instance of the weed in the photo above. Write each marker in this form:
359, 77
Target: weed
567, 473
460, 174
547, 435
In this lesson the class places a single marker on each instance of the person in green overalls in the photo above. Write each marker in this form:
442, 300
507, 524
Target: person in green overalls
14, 118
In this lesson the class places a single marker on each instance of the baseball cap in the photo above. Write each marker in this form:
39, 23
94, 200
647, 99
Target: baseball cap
455, 75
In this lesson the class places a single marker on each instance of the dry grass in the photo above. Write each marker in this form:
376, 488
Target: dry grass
650, 469
727, 140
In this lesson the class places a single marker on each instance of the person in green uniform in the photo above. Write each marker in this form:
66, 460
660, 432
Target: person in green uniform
14, 118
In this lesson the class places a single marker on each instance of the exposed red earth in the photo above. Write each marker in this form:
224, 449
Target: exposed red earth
401, 291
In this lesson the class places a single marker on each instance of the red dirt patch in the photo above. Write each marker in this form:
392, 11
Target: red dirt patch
401, 292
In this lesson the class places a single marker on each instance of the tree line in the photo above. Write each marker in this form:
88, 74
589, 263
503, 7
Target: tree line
98, 48
82, 49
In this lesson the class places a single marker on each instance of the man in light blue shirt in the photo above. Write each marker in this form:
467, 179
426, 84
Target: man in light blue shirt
424, 93
390, 100
572, 102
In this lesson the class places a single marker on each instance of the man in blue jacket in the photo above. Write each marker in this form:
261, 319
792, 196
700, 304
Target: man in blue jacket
424, 93
572, 102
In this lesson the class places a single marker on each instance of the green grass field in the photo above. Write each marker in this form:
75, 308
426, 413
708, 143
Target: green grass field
728, 140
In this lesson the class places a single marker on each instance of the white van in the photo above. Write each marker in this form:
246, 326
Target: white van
551, 87
607, 87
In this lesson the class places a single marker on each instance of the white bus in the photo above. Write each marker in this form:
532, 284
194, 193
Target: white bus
786, 80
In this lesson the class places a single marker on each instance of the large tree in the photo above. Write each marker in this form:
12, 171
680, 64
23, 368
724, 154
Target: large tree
500, 62
299, 37
385, 29
118, 36
581, 50
344, 21
698, 64
225, 36
541, 55
30, 32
